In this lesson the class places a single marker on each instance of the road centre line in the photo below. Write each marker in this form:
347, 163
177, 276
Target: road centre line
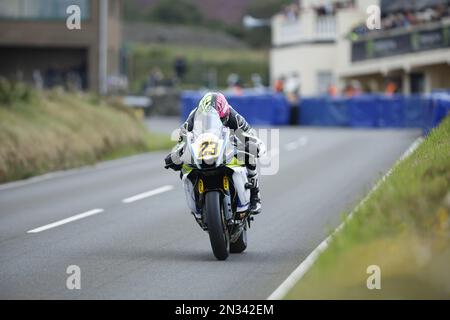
300, 142
148, 194
65, 221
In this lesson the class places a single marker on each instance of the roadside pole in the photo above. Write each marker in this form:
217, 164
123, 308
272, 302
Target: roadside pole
103, 48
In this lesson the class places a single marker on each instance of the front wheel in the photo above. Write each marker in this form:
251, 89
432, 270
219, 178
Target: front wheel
216, 228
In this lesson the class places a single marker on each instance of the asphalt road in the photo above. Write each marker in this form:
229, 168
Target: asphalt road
150, 247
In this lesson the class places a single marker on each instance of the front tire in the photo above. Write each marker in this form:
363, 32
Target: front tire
240, 244
216, 229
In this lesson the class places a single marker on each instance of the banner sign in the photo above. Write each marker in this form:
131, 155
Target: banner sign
401, 44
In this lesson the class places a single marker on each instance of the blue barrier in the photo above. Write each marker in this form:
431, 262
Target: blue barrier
437, 109
415, 111
375, 111
258, 109
364, 111
391, 111
369, 111
324, 111
189, 100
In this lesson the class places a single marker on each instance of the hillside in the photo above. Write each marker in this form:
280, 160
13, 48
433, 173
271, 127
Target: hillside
230, 12
140, 32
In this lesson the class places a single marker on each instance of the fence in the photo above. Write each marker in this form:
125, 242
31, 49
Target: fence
365, 111
258, 109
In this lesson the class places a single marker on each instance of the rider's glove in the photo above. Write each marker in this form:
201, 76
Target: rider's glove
255, 147
172, 165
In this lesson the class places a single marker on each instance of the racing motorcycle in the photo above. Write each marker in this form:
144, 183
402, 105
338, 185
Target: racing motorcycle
215, 183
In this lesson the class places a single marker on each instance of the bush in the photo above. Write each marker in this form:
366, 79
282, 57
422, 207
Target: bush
12, 93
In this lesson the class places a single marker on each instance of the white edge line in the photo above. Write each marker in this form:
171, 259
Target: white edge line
148, 194
64, 221
306, 264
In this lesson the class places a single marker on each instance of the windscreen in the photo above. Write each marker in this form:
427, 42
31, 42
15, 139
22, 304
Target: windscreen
207, 122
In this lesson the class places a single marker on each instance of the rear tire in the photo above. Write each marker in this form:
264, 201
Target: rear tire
217, 234
241, 243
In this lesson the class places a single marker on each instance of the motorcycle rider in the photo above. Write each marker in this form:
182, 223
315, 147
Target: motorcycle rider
233, 120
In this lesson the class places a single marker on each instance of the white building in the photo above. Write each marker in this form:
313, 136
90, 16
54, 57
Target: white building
318, 48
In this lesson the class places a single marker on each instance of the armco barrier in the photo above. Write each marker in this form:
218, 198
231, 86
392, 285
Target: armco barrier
367, 111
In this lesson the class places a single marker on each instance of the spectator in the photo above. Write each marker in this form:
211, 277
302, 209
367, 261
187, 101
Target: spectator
38, 80
405, 19
257, 82
292, 91
180, 67
73, 80
279, 85
357, 89
155, 78
349, 91
234, 84
291, 12
391, 88
53, 76
332, 90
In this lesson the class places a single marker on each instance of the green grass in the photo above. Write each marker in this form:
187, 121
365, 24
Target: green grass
404, 228
47, 131
200, 61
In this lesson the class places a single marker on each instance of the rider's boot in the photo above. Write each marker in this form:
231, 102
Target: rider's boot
255, 200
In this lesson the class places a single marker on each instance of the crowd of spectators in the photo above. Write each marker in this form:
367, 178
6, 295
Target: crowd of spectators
330, 8
406, 19
292, 11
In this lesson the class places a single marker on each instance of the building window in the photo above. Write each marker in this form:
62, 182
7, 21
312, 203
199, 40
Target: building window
324, 81
41, 9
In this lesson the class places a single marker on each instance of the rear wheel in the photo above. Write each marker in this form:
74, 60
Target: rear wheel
240, 244
216, 227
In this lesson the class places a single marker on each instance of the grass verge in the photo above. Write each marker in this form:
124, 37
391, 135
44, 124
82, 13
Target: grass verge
404, 228
48, 131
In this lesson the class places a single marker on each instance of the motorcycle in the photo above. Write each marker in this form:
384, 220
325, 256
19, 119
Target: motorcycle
216, 185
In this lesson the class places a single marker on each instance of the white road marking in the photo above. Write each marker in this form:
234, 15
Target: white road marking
303, 141
300, 271
300, 142
64, 221
147, 194
291, 146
